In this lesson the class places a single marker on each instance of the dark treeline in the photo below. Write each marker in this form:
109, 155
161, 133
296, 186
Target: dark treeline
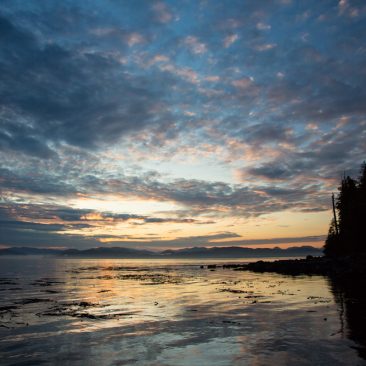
347, 232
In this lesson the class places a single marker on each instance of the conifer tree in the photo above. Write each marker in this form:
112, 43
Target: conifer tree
332, 247
346, 205
350, 238
360, 211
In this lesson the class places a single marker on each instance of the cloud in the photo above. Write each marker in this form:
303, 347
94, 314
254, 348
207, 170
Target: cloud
25, 226
17, 232
130, 38
107, 101
186, 74
271, 171
265, 47
181, 242
263, 26
242, 83
162, 12
221, 199
134, 38
229, 40
194, 45
55, 99
274, 241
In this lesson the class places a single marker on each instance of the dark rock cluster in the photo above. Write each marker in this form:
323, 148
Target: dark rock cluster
334, 267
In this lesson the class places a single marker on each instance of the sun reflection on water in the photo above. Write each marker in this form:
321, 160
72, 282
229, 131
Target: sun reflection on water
169, 312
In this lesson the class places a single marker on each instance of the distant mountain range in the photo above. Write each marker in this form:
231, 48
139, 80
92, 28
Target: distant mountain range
195, 252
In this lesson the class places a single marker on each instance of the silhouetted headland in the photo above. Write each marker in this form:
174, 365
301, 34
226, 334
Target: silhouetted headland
345, 246
195, 252
334, 267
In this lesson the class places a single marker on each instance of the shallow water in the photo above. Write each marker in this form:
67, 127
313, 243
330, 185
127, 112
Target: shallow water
172, 312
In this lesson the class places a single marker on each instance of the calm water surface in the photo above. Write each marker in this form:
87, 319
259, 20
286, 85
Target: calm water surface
172, 312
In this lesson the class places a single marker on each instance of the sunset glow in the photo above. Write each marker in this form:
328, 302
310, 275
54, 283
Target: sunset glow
177, 124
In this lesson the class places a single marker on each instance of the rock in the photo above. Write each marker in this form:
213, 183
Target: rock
336, 268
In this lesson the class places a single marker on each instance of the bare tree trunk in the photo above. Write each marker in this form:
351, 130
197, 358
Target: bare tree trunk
335, 216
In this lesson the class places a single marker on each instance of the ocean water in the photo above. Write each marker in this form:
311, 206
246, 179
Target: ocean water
154, 312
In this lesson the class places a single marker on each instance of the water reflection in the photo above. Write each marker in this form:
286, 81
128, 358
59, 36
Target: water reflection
349, 294
99, 312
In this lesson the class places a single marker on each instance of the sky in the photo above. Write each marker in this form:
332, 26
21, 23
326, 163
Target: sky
172, 124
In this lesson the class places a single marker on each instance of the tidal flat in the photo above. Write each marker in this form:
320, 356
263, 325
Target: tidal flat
56, 311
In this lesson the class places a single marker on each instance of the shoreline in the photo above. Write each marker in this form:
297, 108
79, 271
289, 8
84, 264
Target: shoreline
324, 266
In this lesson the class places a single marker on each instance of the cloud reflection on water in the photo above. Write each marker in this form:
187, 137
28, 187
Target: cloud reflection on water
220, 317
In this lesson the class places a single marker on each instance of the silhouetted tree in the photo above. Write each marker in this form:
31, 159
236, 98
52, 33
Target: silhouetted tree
351, 208
362, 179
360, 211
346, 206
332, 246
